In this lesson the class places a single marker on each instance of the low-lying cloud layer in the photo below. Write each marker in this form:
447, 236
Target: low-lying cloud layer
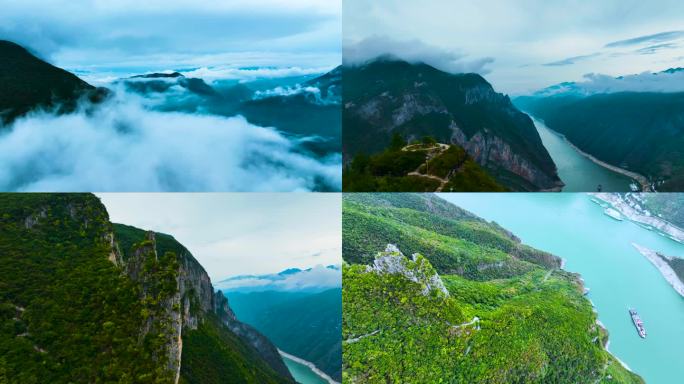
593, 83
316, 278
122, 146
413, 51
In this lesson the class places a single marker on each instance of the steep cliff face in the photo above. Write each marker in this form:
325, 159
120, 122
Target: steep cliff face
82, 300
386, 97
192, 302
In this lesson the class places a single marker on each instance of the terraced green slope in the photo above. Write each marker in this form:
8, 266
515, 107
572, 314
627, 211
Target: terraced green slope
498, 312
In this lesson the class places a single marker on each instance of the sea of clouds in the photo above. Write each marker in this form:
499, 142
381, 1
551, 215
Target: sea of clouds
123, 146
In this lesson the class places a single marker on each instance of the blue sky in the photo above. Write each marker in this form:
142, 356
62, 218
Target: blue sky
524, 45
132, 36
240, 233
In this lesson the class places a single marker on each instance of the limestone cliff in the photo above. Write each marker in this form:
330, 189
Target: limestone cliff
385, 97
191, 301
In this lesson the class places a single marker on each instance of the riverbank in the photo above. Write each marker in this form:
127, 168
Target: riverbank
642, 180
630, 207
310, 365
663, 266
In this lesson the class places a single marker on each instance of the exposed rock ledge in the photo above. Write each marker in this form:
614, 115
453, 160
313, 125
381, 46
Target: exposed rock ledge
638, 214
665, 269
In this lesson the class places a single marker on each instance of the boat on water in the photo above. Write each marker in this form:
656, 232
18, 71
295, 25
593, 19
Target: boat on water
613, 213
595, 201
638, 323
645, 226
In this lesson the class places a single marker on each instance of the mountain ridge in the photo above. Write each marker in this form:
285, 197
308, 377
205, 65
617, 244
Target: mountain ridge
101, 301
384, 97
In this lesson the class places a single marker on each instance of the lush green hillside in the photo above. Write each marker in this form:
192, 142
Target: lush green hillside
75, 308
307, 325
463, 245
498, 312
26, 82
389, 97
639, 131
399, 169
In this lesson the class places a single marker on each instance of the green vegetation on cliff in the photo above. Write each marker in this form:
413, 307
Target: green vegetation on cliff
509, 314
74, 309
417, 168
388, 97
307, 325
68, 314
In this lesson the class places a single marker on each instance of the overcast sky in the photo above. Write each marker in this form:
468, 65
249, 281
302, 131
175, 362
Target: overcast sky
137, 36
523, 45
240, 233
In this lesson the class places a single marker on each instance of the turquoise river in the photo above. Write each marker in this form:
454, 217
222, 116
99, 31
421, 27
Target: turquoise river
577, 172
303, 374
598, 247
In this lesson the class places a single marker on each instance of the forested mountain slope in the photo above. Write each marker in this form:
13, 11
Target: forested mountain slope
305, 324
639, 131
471, 305
84, 300
389, 96
27, 82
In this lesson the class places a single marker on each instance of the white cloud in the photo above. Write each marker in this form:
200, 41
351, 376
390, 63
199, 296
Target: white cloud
413, 51
247, 74
121, 146
523, 35
319, 277
134, 35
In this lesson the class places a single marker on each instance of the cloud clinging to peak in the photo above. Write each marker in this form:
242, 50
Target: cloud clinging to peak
413, 51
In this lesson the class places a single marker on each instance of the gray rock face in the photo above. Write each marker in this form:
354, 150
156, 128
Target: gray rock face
166, 317
418, 269
490, 151
414, 100
193, 299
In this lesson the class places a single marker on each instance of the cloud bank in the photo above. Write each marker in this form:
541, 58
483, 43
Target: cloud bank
412, 51
127, 35
316, 278
122, 146
594, 83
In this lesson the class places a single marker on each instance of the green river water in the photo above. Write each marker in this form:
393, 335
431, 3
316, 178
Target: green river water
302, 374
577, 172
598, 247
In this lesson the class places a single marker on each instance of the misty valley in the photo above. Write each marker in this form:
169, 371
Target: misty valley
260, 129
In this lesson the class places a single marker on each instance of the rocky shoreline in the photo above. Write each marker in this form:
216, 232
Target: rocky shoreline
309, 364
631, 209
665, 269
641, 179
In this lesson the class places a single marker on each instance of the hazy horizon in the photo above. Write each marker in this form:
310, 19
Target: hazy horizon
522, 46
233, 234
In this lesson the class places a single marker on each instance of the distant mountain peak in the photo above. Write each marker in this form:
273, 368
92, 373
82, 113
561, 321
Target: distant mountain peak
158, 75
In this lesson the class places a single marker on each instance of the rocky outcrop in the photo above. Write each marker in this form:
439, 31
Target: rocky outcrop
186, 306
490, 151
384, 98
418, 270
